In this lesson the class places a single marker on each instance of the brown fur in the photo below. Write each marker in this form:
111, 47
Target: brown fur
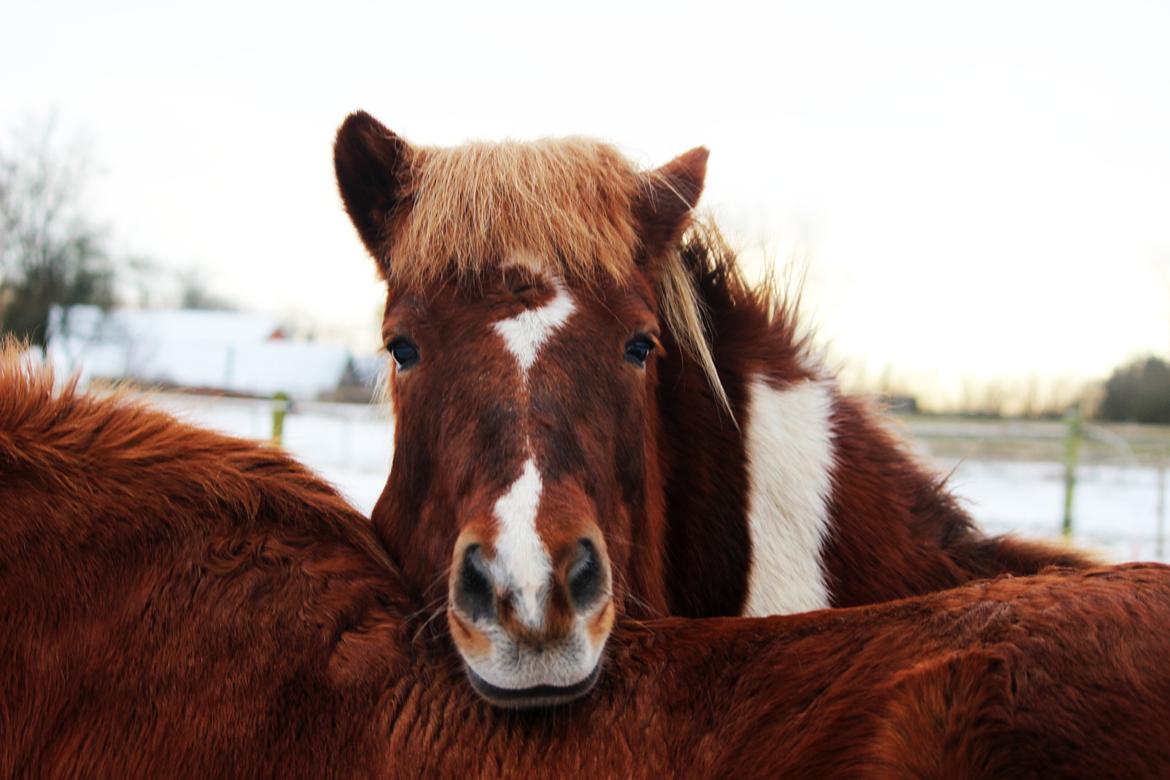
176, 603
572, 207
895, 529
464, 420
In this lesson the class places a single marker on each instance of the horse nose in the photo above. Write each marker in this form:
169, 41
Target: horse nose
578, 573
585, 577
474, 591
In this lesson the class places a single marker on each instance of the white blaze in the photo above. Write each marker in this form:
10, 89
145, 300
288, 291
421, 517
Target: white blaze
521, 562
789, 443
529, 330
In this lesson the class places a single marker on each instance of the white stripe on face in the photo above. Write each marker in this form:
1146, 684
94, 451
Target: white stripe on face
521, 563
529, 330
789, 445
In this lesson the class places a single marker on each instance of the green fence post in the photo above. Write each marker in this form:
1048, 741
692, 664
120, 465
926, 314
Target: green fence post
1160, 542
1072, 448
279, 410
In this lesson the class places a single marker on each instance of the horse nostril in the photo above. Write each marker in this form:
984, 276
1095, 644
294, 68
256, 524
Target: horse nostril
585, 576
473, 589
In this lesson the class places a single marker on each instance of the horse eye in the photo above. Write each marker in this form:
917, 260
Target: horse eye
638, 349
404, 352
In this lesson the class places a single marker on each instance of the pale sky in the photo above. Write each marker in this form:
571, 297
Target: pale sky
979, 191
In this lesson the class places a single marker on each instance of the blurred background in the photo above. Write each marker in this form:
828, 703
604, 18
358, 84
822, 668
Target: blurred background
974, 197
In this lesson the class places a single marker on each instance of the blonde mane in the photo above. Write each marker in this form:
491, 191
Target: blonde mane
560, 206
567, 203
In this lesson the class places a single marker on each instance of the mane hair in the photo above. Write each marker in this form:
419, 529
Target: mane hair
563, 206
177, 603
712, 265
884, 504
703, 279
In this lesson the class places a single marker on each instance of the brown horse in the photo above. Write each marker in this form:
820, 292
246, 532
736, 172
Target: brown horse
176, 603
595, 414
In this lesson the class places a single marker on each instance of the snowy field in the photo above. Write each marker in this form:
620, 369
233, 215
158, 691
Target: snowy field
348, 444
1116, 508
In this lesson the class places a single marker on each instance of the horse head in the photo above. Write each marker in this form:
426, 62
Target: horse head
528, 290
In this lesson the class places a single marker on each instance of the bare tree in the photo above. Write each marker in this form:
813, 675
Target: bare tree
51, 251
195, 293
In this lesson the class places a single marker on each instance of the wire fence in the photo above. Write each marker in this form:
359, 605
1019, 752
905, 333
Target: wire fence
1100, 485
1109, 483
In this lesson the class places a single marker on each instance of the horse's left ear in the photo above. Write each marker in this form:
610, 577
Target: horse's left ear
663, 207
372, 165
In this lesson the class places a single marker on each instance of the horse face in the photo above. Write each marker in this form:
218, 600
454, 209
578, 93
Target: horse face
523, 284
523, 411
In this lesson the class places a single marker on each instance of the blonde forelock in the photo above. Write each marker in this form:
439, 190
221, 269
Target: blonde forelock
559, 206
476, 207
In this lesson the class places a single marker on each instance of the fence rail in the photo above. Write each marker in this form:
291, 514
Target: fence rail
1101, 485
1016, 476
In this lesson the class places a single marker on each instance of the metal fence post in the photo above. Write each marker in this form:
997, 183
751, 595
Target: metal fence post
1160, 542
279, 410
1072, 447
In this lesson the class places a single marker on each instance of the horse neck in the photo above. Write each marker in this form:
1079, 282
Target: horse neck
646, 594
803, 501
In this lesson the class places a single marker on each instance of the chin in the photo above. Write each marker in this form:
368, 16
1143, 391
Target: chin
534, 697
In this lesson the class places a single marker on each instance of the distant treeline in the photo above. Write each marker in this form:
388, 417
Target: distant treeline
1138, 392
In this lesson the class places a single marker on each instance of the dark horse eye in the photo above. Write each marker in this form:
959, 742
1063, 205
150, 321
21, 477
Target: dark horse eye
638, 349
404, 352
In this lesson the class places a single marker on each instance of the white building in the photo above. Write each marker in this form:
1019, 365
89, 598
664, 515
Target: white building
221, 350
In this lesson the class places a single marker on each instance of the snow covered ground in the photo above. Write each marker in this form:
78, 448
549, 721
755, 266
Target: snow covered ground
1115, 508
348, 444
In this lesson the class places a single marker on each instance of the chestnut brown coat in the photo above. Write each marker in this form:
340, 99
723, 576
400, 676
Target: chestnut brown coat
177, 603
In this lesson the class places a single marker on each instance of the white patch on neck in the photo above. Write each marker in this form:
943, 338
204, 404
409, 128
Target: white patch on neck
789, 444
521, 562
529, 330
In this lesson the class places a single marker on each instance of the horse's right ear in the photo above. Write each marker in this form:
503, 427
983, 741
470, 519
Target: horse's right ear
371, 164
668, 194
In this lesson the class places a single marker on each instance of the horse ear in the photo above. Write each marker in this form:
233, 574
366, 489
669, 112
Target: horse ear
663, 208
372, 165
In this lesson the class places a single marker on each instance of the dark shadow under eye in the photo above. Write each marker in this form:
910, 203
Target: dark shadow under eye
404, 352
638, 349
